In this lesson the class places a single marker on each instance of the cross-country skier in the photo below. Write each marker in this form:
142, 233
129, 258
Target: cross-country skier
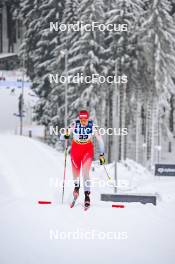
82, 152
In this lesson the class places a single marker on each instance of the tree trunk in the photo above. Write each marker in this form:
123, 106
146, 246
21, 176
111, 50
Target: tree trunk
138, 125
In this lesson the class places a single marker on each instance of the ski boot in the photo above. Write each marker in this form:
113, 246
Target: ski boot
76, 191
87, 200
75, 195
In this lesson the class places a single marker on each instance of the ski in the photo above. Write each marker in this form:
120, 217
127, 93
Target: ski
73, 202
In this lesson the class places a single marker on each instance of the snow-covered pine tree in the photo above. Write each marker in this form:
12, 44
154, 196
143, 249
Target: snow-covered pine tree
38, 49
27, 13
65, 49
158, 35
44, 55
122, 47
88, 58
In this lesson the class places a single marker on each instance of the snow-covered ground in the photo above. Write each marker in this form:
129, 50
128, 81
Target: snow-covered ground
33, 233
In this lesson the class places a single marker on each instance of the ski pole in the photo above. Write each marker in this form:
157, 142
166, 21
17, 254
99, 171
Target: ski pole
107, 174
109, 177
64, 176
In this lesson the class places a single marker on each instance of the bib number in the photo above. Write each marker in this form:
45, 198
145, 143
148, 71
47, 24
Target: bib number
83, 137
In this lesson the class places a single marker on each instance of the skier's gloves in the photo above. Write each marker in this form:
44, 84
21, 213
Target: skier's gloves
102, 159
67, 135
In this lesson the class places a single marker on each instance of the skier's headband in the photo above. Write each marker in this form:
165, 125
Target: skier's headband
83, 115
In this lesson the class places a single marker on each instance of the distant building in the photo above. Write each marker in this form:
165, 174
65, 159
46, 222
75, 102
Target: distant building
11, 30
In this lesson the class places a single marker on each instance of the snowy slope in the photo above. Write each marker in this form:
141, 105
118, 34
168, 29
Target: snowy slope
28, 170
10, 89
